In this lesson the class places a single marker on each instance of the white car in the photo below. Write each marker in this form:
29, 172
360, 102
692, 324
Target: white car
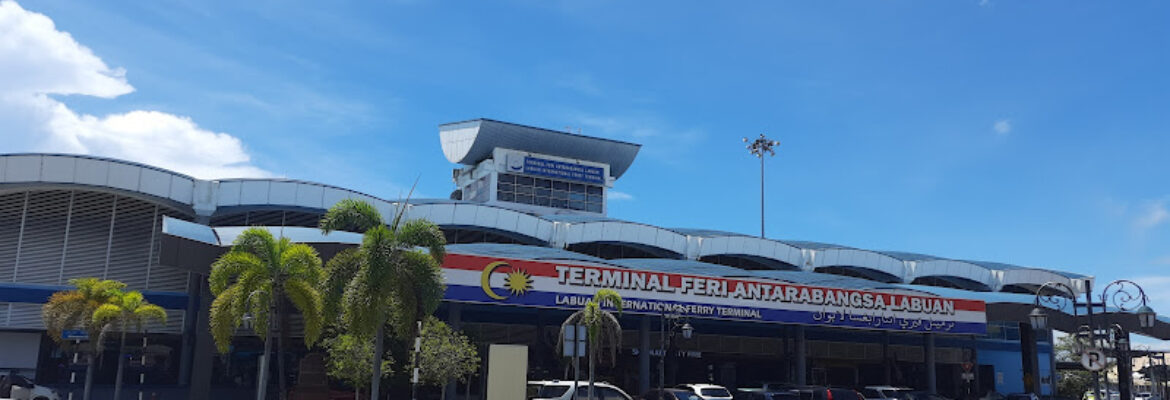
16, 387
707, 391
884, 392
563, 390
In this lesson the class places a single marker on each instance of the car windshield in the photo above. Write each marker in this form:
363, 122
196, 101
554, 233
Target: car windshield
538, 391
714, 392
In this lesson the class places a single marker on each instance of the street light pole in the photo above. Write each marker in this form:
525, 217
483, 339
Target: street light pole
1125, 296
758, 147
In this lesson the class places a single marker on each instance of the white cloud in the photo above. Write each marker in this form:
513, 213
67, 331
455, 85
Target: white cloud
613, 195
1153, 213
37, 61
984, 3
1002, 127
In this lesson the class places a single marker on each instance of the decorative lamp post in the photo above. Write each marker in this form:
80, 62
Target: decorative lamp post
758, 147
1039, 319
1146, 316
670, 322
1124, 296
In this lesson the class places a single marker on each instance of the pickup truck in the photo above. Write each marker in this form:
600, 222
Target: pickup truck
16, 387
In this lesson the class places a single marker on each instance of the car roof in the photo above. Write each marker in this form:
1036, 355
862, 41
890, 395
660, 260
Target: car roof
703, 385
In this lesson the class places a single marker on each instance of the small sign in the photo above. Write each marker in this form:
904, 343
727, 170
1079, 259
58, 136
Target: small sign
967, 366
74, 334
968, 376
1093, 359
574, 341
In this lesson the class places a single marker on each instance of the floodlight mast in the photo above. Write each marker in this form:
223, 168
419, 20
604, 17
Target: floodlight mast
758, 148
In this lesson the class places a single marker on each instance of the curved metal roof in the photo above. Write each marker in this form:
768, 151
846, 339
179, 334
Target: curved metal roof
470, 142
522, 252
205, 197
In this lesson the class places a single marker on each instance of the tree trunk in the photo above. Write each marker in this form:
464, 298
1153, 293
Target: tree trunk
280, 344
121, 365
376, 379
591, 351
89, 367
443, 393
262, 378
414, 359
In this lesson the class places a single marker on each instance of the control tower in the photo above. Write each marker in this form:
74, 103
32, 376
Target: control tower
531, 169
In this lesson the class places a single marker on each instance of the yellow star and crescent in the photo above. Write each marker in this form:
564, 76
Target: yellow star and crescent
517, 282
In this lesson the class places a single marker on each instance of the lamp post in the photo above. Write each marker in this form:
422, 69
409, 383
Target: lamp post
758, 147
672, 321
1125, 296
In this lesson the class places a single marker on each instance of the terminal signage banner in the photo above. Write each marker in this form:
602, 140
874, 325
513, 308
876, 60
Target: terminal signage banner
492, 280
563, 170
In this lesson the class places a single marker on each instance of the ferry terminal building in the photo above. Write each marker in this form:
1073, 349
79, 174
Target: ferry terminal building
529, 242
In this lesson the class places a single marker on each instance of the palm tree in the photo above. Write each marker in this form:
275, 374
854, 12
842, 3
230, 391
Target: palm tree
124, 310
392, 279
602, 327
74, 309
255, 278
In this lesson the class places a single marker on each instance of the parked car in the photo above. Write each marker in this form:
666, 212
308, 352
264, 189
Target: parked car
563, 390
767, 391
761, 394
827, 393
884, 392
707, 391
920, 395
16, 387
670, 394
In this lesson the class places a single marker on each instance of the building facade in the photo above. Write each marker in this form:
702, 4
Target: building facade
528, 240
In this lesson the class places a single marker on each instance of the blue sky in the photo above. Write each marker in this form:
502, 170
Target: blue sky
1025, 132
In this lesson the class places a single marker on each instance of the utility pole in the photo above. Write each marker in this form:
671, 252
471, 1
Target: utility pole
758, 147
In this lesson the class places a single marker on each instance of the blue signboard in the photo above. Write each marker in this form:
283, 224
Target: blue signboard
563, 170
74, 334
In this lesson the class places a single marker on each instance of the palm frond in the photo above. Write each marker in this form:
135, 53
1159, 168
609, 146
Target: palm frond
224, 317
149, 312
228, 268
339, 271
423, 233
307, 300
258, 242
350, 215
301, 262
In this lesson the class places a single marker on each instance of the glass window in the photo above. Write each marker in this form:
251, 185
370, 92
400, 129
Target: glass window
543, 183
871, 394
542, 192
593, 207
576, 196
594, 199
524, 180
524, 199
546, 391
577, 205
594, 189
523, 189
559, 185
715, 392
610, 394
559, 203
504, 196
577, 188
560, 194
508, 178
542, 201
507, 187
